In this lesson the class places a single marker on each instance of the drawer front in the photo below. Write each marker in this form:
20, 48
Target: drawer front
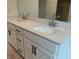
43, 54
40, 41
19, 38
18, 30
20, 45
11, 26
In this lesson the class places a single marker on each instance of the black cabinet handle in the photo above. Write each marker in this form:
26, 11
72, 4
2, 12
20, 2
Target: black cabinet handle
9, 31
35, 50
32, 49
19, 50
18, 40
17, 30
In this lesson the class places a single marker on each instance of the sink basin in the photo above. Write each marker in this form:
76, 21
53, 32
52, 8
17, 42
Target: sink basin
46, 30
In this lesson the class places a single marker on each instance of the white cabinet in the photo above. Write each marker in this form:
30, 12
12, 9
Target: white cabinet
29, 49
15, 38
30, 45
12, 37
44, 54
20, 42
33, 51
52, 47
20, 45
18, 30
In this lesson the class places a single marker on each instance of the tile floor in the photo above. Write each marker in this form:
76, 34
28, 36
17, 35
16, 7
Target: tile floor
12, 54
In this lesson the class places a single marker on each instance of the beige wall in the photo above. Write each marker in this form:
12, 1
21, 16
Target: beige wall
29, 6
12, 8
51, 8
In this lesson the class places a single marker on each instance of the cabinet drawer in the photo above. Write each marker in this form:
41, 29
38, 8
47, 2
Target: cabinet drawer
41, 41
18, 30
20, 44
19, 38
43, 54
11, 26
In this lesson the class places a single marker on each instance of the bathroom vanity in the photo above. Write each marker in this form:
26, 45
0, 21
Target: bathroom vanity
35, 40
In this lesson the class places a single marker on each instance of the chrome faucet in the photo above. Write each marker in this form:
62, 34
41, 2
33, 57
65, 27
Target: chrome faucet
52, 21
25, 15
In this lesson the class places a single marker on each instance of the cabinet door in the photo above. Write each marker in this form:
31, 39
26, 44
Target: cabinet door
30, 49
12, 38
44, 54
20, 45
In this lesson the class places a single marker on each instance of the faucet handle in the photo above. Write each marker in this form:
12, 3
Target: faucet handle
21, 14
53, 17
27, 14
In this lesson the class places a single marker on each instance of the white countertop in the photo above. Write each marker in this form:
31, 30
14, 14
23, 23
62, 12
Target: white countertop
58, 37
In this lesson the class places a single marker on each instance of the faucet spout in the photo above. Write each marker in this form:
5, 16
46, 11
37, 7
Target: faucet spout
25, 15
52, 21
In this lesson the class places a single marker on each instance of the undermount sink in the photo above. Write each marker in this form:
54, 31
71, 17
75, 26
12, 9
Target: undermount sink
46, 30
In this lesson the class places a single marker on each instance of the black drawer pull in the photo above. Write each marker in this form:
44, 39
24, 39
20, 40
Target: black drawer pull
35, 50
18, 40
32, 49
17, 30
19, 50
9, 31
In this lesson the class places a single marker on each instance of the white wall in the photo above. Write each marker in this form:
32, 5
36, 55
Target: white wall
12, 8
29, 6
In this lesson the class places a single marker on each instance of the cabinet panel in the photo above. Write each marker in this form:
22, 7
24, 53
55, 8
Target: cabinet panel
39, 53
20, 45
41, 41
28, 49
31, 46
11, 26
43, 54
18, 30
12, 38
